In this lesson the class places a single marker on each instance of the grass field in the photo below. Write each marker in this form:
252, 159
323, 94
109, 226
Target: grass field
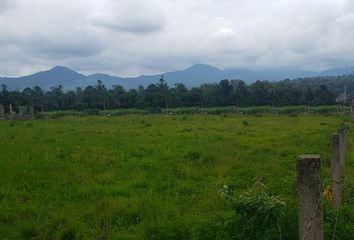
157, 177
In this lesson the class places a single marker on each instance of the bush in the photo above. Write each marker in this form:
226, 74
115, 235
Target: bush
258, 214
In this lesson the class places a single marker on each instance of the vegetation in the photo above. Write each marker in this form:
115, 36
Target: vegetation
162, 177
253, 111
334, 84
156, 96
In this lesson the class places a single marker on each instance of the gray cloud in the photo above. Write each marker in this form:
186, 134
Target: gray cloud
132, 16
132, 37
6, 5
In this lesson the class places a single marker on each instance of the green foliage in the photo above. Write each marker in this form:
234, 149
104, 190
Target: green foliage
186, 112
245, 123
258, 214
159, 97
29, 232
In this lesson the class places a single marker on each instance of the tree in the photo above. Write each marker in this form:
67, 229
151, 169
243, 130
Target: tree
225, 93
323, 96
55, 98
178, 95
309, 96
163, 90
28, 96
152, 96
38, 99
101, 92
260, 94
4, 96
240, 91
141, 97
116, 96
272, 90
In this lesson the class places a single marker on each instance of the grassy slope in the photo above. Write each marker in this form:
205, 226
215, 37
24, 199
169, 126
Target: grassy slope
138, 177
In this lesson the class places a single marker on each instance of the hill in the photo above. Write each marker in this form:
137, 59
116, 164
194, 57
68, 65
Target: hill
193, 76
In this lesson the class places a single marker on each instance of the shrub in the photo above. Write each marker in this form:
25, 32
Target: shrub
245, 123
258, 214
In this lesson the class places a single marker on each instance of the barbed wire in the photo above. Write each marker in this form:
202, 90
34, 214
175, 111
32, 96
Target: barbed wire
335, 225
320, 198
342, 147
317, 205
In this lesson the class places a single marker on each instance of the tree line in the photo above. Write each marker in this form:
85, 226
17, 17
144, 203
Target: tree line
160, 95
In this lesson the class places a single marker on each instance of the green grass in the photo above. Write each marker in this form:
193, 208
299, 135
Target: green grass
153, 176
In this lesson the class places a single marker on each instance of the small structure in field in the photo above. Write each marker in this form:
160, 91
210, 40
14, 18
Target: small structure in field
346, 99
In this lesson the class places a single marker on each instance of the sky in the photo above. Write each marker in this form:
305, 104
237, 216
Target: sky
134, 37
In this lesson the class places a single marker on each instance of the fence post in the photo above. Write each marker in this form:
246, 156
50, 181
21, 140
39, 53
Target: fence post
309, 190
336, 171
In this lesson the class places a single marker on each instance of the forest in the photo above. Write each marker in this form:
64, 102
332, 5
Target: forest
160, 95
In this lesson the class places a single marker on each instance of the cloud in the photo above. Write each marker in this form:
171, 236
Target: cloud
224, 33
132, 16
133, 37
6, 5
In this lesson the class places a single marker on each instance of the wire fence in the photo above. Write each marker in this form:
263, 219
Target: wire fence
337, 153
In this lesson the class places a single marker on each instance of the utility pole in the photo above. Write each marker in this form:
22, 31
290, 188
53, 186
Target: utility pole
272, 92
10, 111
353, 108
236, 87
166, 105
164, 91
345, 97
237, 103
104, 107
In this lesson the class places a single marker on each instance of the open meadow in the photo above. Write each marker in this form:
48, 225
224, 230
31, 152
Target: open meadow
163, 177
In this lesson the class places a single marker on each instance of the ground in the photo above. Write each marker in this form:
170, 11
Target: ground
154, 176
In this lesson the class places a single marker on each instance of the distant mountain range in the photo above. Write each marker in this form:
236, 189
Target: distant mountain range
191, 77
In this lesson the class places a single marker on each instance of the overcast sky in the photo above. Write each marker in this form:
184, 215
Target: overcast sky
133, 37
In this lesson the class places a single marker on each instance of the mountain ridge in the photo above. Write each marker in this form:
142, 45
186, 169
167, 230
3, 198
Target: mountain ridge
192, 76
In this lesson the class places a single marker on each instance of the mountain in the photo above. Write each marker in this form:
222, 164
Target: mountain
338, 71
46, 79
193, 76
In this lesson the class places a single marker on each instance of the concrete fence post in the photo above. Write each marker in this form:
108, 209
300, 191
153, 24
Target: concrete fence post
336, 171
309, 190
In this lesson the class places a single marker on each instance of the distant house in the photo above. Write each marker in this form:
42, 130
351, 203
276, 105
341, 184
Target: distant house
349, 100
344, 99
